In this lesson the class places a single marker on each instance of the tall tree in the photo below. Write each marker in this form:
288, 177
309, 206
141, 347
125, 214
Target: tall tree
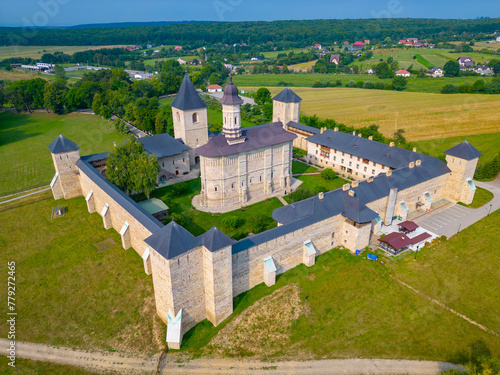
53, 98
130, 168
451, 69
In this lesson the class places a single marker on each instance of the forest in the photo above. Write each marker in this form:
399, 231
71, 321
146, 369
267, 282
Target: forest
282, 33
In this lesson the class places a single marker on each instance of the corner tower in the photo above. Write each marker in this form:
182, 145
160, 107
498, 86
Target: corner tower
189, 114
286, 107
231, 118
462, 160
66, 181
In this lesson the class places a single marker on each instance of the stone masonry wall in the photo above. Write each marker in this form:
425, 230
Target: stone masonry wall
68, 172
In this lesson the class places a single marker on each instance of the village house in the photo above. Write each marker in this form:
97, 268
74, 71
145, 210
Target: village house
465, 62
403, 73
483, 70
214, 88
435, 72
335, 58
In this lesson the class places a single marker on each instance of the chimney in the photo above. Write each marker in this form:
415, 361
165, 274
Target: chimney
391, 144
414, 149
114, 144
336, 129
359, 135
355, 184
321, 131
412, 165
353, 133
370, 137
346, 187
321, 195
389, 173
370, 179
351, 193
418, 162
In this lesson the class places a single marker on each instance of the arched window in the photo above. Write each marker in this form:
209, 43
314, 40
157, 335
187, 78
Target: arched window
216, 188
232, 185
178, 116
195, 117
236, 120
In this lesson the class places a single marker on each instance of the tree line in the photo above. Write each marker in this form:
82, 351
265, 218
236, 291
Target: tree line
292, 33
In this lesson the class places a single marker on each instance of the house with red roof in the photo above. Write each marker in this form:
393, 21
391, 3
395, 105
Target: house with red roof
214, 88
402, 41
177, 48
403, 73
358, 45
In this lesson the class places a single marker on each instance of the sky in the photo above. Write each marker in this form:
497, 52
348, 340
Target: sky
73, 12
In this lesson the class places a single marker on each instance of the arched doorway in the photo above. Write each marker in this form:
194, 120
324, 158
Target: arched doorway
197, 160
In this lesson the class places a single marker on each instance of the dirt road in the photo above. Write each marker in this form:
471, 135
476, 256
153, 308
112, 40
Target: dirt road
128, 364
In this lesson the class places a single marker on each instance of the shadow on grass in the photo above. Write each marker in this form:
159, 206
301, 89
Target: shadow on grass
476, 350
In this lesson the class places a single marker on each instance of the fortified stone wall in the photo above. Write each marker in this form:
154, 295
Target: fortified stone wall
116, 216
68, 174
286, 112
287, 252
457, 186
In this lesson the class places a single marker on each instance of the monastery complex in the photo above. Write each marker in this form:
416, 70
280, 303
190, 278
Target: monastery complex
196, 278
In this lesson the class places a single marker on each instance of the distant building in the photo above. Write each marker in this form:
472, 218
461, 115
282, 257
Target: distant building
465, 62
402, 73
367, 41
435, 72
177, 48
483, 70
181, 61
370, 71
335, 58
317, 46
358, 45
214, 88
498, 38
402, 41
346, 43
413, 40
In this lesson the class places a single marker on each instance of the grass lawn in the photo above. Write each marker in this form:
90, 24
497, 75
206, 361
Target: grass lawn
303, 67
481, 197
178, 200
311, 182
28, 367
75, 284
274, 54
18, 74
36, 52
26, 160
487, 144
428, 84
299, 167
354, 309
421, 115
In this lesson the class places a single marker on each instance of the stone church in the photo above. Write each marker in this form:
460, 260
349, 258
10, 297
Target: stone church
239, 165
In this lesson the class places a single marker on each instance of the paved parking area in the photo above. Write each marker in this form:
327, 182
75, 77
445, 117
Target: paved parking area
455, 218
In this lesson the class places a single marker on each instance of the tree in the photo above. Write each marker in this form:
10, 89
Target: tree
383, 70
399, 83
27, 94
328, 174
53, 98
496, 68
2, 97
262, 96
399, 136
479, 86
451, 69
97, 104
355, 69
59, 72
130, 168
258, 223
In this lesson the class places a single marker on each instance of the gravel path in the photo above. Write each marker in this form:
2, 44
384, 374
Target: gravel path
128, 364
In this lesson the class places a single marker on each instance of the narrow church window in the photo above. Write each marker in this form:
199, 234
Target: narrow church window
236, 120
232, 185
178, 117
216, 188
260, 178
333, 235
173, 162
183, 160
195, 117
163, 165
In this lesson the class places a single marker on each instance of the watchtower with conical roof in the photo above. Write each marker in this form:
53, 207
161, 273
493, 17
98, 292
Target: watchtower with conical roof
462, 160
286, 107
189, 113
66, 181
231, 118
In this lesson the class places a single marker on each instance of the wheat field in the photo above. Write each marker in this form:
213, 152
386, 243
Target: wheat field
421, 115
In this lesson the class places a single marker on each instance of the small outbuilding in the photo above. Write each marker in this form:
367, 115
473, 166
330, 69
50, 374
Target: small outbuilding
155, 207
214, 88
407, 227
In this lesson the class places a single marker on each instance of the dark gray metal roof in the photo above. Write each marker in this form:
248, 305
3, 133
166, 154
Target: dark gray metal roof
214, 239
62, 144
357, 211
97, 157
141, 215
187, 98
464, 151
303, 127
334, 202
287, 96
364, 148
172, 240
230, 96
162, 145
255, 137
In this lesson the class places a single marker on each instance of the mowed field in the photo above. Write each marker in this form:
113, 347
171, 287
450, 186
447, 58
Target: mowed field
25, 159
18, 74
421, 115
36, 52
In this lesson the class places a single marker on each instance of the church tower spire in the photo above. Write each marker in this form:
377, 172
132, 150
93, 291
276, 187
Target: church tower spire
231, 118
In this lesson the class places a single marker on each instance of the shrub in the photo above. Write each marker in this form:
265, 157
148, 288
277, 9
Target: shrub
320, 189
379, 85
351, 83
328, 174
301, 194
359, 84
449, 89
368, 85
258, 223
230, 222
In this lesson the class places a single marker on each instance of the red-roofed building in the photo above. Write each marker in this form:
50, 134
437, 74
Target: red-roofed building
407, 226
409, 44
403, 73
367, 41
402, 41
214, 88
346, 43
395, 243
177, 48
317, 46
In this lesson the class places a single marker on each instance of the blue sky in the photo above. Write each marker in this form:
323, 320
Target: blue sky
73, 12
